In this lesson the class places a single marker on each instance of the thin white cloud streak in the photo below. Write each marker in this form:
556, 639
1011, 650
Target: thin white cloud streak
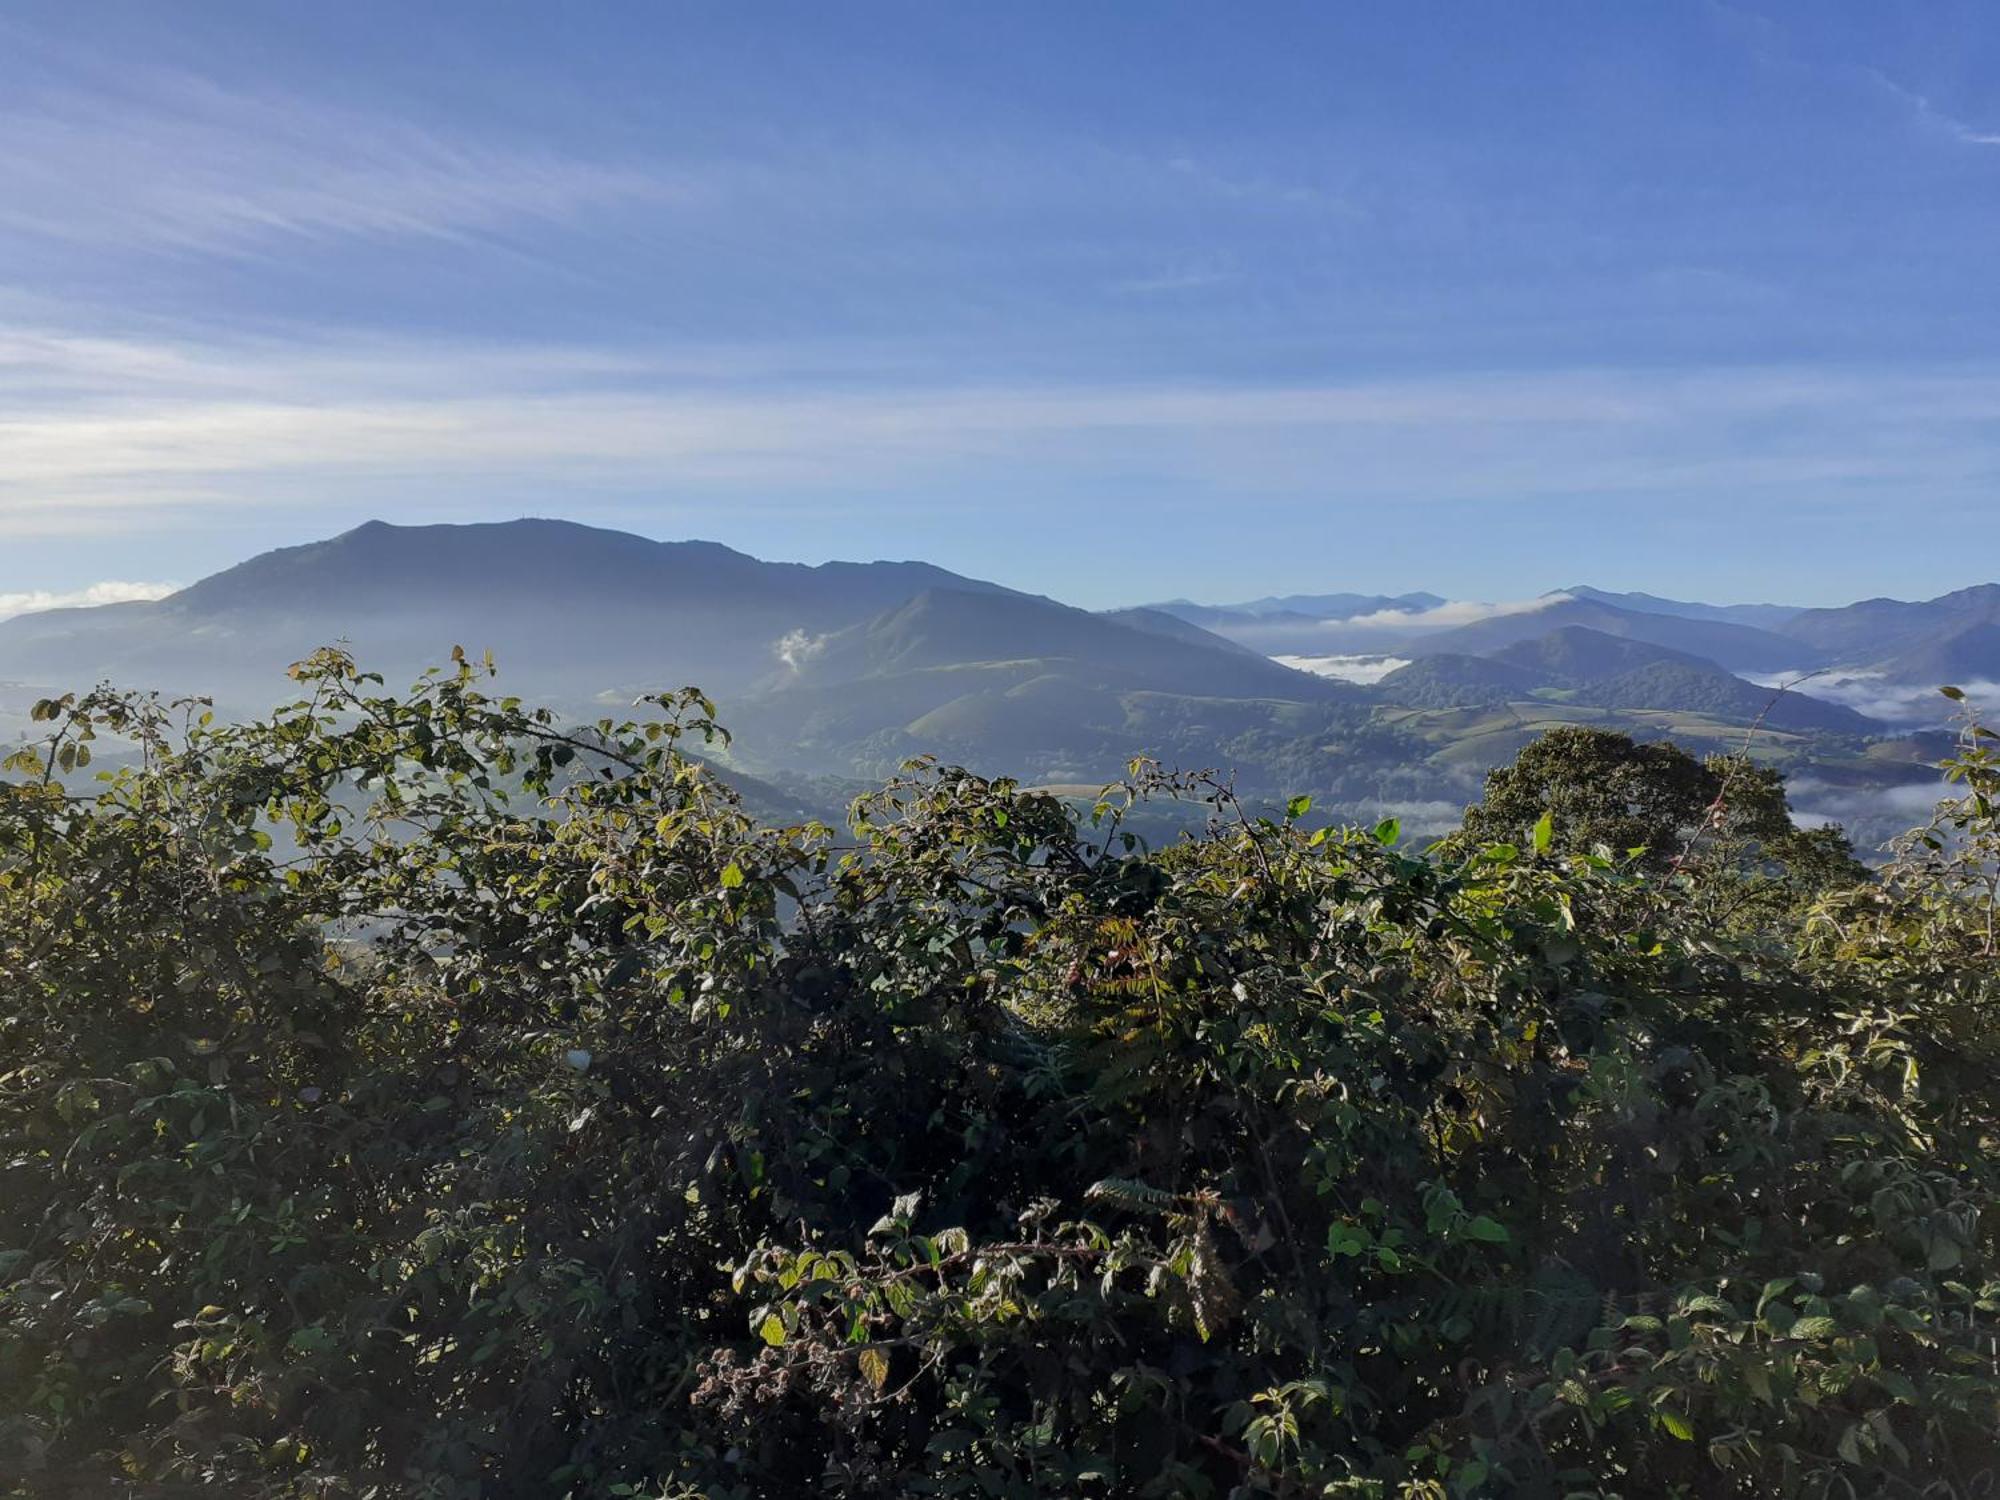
1771, 42
1450, 614
173, 161
135, 160
95, 426
1930, 114
111, 591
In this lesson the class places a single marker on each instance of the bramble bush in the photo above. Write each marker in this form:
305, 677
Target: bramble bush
412, 1095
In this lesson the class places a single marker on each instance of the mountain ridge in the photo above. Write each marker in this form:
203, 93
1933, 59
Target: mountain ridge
849, 668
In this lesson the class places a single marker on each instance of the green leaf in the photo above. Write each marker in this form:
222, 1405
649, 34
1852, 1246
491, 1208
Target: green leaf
1678, 1425
1545, 831
732, 876
1297, 808
1388, 831
1488, 1231
772, 1330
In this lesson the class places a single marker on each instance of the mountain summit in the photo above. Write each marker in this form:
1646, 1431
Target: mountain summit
569, 610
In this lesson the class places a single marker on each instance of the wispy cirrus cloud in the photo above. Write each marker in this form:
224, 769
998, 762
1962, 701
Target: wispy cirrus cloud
174, 161
1775, 45
96, 427
1930, 114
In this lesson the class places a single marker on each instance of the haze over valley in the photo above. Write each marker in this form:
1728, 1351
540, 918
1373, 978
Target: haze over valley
833, 675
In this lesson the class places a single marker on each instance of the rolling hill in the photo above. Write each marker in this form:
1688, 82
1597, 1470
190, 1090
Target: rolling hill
1736, 647
1007, 681
1582, 665
1452, 680
950, 628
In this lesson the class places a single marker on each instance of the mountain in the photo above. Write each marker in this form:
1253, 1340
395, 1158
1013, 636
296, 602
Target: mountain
1332, 606
1699, 688
1577, 654
950, 628
1160, 622
1007, 682
572, 611
1759, 616
1737, 647
1969, 655
1357, 624
1311, 624
819, 670
1451, 680
846, 670
1580, 665
1876, 630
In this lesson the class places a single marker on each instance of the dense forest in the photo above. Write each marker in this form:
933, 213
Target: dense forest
415, 1094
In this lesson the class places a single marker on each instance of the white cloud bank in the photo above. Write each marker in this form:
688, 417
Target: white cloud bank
1366, 670
1873, 694
111, 591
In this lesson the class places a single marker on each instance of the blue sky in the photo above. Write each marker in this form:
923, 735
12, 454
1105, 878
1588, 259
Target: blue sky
1111, 301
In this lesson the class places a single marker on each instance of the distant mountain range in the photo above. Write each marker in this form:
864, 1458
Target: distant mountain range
1576, 664
1759, 616
846, 668
1736, 647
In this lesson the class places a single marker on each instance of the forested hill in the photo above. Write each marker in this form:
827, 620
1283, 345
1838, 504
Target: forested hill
844, 670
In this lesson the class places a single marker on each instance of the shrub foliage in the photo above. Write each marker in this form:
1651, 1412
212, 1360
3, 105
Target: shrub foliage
411, 1095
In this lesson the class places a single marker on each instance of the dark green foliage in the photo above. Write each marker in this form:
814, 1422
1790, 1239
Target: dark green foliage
1699, 688
408, 1096
1605, 791
1448, 680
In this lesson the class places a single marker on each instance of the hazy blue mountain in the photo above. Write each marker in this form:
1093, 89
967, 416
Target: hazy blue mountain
943, 628
1969, 655
1737, 647
1334, 606
1011, 683
1218, 616
1876, 630
1606, 671
1761, 616
1159, 622
1279, 633
570, 610
1575, 654
846, 669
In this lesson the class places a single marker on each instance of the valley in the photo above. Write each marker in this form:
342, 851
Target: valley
832, 676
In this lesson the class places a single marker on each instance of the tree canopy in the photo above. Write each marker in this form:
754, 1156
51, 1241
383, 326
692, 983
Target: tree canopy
412, 1095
